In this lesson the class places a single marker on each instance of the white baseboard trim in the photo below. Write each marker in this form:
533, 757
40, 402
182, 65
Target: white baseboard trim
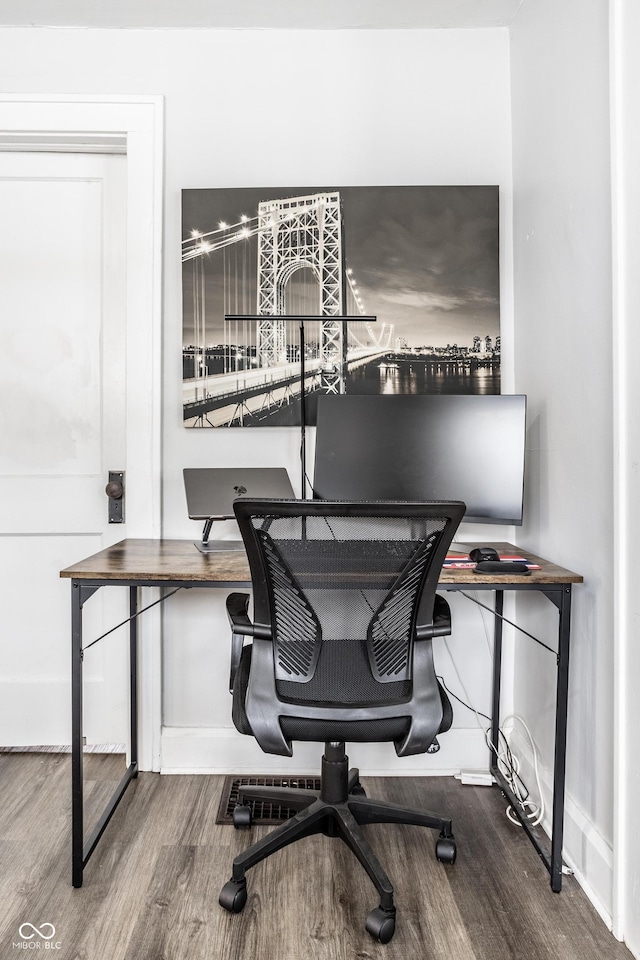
585, 851
205, 750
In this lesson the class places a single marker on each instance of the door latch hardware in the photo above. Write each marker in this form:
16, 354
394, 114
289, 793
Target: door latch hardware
115, 491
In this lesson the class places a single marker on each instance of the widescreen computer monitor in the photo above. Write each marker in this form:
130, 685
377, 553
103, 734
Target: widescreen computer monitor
400, 447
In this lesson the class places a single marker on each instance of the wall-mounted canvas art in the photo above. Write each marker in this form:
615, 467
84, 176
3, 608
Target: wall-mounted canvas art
415, 269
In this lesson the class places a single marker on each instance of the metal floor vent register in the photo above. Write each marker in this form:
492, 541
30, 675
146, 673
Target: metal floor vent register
261, 811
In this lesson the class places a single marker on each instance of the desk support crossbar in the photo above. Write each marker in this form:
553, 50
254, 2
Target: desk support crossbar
535, 836
92, 841
510, 622
129, 618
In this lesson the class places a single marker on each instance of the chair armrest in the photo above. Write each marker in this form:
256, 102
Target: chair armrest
241, 626
440, 626
237, 606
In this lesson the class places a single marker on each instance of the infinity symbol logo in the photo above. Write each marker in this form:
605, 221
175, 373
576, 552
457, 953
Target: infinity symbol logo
41, 932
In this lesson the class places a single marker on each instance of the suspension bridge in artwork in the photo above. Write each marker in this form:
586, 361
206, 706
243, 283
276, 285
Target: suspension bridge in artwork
287, 261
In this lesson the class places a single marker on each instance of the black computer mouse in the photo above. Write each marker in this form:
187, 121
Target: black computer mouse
483, 553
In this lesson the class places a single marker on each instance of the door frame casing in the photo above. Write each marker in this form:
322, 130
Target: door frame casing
96, 122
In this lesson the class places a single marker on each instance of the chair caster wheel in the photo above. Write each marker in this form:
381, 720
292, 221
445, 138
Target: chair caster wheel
381, 924
358, 790
241, 815
233, 895
446, 849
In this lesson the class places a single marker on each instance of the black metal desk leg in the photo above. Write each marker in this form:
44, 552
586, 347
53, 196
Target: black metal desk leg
81, 851
77, 819
559, 767
497, 674
133, 680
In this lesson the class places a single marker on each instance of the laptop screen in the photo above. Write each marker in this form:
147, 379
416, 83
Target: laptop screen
211, 490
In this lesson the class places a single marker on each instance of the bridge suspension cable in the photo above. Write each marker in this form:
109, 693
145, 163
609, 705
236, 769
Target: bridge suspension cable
229, 245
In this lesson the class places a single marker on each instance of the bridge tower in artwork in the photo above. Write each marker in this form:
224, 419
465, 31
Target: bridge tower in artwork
295, 234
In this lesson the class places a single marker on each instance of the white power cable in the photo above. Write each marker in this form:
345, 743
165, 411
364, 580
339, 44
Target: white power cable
536, 810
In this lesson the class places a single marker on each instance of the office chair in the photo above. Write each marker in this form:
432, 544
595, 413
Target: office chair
344, 611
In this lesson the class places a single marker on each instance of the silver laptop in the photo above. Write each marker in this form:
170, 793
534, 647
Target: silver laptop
211, 491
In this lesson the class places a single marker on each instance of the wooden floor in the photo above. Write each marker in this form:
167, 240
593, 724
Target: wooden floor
151, 889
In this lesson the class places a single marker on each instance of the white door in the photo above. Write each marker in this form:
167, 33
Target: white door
62, 428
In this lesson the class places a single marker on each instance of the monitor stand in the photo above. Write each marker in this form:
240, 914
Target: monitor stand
217, 546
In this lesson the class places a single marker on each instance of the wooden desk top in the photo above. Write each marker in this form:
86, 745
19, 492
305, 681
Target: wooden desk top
548, 573
180, 560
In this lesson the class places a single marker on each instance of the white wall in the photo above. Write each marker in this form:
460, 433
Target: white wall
625, 78
423, 107
563, 361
